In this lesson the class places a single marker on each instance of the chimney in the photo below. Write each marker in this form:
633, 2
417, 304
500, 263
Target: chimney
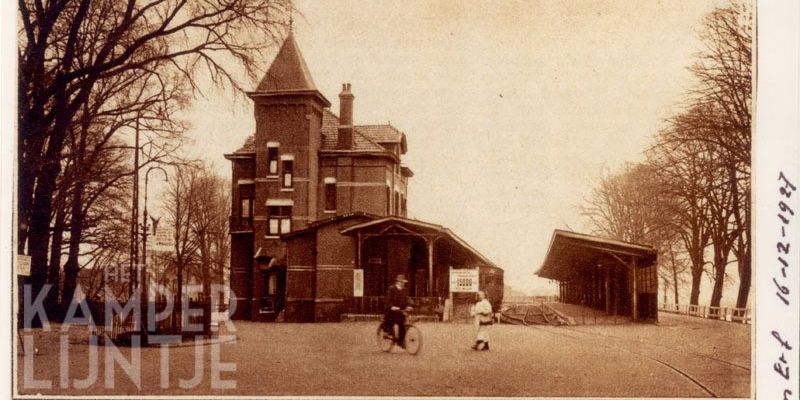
345, 141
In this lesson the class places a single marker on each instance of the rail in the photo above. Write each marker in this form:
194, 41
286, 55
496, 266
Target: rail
730, 314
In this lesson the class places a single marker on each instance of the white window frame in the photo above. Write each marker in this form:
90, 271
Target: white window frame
284, 186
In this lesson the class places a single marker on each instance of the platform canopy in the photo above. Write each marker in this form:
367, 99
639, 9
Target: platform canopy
572, 253
398, 226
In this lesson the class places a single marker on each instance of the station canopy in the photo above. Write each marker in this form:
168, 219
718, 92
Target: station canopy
572, 253
398, 226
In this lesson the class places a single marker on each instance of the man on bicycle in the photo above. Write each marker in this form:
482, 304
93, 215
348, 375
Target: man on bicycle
396, 303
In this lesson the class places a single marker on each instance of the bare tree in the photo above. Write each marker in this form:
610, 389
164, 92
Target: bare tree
67, 47
633, 206
180, 217
209, 226
717, 126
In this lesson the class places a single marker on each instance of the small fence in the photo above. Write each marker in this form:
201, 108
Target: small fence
731, 314
377, 305
522, 300
121, 328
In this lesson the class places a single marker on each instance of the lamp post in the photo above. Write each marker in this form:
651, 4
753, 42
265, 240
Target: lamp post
144, 295
134, 259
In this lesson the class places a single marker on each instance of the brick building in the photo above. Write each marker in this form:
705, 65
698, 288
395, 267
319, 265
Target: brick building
315, 197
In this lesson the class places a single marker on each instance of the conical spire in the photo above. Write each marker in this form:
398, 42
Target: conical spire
288, 71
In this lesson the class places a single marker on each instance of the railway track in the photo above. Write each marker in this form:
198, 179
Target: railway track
620, 344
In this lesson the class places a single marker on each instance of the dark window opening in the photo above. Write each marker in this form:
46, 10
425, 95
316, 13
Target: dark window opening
246, 205
330, 197
288, 166
272, 160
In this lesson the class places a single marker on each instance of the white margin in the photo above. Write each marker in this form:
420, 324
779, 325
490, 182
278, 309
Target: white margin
776, 146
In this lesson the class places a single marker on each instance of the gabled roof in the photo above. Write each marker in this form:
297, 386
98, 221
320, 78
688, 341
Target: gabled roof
416, 224
384, 134
288, 71
327, 221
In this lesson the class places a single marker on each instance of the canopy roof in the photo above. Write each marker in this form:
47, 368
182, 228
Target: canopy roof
571, 253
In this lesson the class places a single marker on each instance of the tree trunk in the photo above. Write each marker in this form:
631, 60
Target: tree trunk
72, 266
675, 283
720, 261
54, 270
745, 279
41, 212
39, 239
697, 276
695, 295
674, 273
179, 298
205, 261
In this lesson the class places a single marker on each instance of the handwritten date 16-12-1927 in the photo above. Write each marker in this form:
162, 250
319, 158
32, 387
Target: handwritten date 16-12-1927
785, 215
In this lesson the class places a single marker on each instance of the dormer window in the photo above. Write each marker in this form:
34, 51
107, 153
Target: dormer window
272, 158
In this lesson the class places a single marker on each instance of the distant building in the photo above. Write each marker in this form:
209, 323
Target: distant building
318, 218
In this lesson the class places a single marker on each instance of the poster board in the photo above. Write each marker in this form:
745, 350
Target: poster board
464, 280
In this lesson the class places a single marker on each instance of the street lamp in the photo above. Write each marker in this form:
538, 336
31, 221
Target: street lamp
145, 295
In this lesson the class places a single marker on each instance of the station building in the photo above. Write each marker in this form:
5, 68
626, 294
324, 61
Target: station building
616, 277
319, 221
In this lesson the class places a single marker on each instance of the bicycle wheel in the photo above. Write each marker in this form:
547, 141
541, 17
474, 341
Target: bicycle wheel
413, 339
385, 340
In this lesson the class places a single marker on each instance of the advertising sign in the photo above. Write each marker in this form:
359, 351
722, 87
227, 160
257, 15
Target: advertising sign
464, 280
358, 283
161, 241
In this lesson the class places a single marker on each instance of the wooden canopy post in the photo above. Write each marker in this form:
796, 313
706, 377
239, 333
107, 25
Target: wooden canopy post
634, 310
429, 241
358, 251
608, 290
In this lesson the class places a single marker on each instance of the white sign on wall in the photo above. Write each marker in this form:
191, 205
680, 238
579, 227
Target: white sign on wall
23, 265
464, 280
358, 283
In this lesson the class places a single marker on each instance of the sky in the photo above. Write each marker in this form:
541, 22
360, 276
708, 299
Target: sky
513, 110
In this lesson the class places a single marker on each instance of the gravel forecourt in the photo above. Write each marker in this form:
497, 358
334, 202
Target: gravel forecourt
680, 357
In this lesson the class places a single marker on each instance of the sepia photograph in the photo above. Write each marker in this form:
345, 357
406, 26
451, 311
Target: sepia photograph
441, 198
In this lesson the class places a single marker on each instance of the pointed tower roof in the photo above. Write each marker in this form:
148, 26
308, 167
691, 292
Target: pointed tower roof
288, 74
288, 71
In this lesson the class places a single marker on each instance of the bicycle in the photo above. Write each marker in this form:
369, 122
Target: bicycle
388, 339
